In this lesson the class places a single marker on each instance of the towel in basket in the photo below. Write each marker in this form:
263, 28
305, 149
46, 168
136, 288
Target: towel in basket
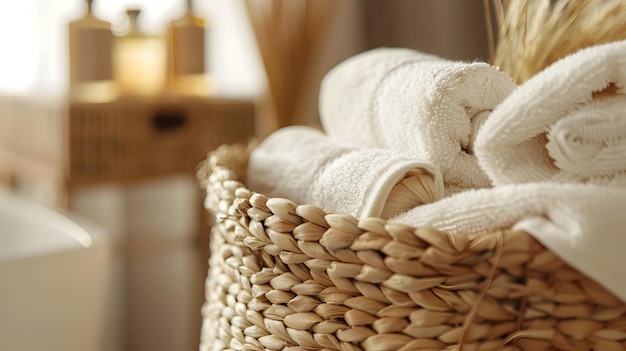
287, 276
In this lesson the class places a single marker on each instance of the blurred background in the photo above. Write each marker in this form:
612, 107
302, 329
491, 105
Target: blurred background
106, 109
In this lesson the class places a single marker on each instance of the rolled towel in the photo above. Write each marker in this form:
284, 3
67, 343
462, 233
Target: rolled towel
567, 123
582, 223
589, 145
421, 104
302, 164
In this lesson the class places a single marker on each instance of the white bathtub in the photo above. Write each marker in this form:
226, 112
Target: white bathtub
52, 279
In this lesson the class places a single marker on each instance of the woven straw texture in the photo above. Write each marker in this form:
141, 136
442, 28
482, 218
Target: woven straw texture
285, 276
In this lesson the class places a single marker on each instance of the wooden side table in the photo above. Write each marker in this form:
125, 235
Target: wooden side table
68, 145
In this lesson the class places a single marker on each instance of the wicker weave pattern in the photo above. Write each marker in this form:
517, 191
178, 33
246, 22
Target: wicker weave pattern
293, 277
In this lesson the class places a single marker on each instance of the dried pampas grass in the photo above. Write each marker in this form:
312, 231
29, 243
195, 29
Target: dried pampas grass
289, 33
528, 35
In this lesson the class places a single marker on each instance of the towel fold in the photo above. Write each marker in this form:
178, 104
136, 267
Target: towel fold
302, 164
567, 123
421, 104
581, 223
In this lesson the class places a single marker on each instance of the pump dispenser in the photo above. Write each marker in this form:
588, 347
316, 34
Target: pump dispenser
186, 71
90, 59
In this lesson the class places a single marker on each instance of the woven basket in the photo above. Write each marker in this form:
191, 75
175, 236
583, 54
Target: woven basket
285, 276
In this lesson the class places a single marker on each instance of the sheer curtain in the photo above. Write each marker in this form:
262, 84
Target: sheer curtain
33, 41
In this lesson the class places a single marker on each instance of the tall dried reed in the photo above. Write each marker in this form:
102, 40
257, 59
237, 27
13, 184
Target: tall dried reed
528, 35
288, 34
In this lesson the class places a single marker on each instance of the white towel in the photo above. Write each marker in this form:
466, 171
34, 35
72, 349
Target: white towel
589, 145
302, 164
557, 127
584, 224
405, 100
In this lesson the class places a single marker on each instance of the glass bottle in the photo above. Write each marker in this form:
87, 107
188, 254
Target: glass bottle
90, 59
186, 71
139, 60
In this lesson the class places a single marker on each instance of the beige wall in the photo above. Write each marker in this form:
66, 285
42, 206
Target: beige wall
453, 29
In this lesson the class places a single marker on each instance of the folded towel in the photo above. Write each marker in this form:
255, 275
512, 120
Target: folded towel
421, 104
582, 223
565, 123
302, 164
